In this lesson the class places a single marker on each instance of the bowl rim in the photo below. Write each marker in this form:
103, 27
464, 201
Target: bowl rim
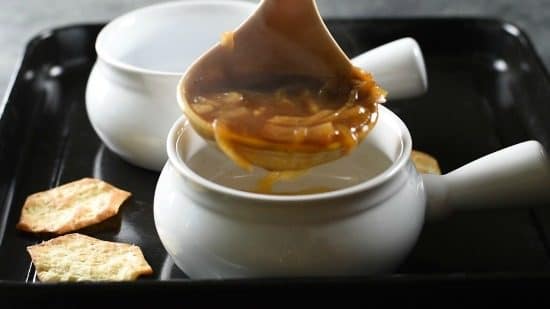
182, 124
121, 65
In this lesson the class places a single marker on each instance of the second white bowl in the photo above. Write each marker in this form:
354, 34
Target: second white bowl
130, 95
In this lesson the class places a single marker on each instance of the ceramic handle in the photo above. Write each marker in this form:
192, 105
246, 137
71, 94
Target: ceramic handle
398, 67
517, 176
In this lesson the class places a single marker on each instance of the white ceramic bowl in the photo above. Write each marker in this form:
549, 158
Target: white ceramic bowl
213, 228
130, 95
214, 231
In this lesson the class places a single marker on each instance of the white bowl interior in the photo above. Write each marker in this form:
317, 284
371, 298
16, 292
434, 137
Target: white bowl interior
382, 152
169, 37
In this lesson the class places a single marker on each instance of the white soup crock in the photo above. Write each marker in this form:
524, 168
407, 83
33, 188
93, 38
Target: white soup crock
140, 58
214, 231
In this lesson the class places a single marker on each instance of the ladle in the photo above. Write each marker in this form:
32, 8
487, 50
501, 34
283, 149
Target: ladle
282, 37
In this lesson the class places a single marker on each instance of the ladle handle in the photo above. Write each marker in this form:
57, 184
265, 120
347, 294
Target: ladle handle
397, 66
517, 176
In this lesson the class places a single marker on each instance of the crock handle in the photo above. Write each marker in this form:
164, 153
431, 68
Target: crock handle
517, 176
398, 67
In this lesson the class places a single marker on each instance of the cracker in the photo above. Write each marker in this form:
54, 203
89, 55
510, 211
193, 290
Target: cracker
77, 257
70, 207
425, 163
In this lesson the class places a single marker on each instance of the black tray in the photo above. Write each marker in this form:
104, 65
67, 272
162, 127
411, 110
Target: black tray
488, 90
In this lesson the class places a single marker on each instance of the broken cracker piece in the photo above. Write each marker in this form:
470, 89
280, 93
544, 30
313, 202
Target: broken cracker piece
71, 206
425, 163
77, 257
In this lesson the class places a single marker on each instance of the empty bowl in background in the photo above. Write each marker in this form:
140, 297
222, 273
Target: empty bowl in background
141, 55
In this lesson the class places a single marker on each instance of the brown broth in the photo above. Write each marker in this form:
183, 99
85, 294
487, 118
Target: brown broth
296, 112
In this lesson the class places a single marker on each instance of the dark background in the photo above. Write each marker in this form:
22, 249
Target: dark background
21, 20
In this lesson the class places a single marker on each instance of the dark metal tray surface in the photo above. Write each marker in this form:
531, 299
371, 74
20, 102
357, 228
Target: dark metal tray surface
487, 89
